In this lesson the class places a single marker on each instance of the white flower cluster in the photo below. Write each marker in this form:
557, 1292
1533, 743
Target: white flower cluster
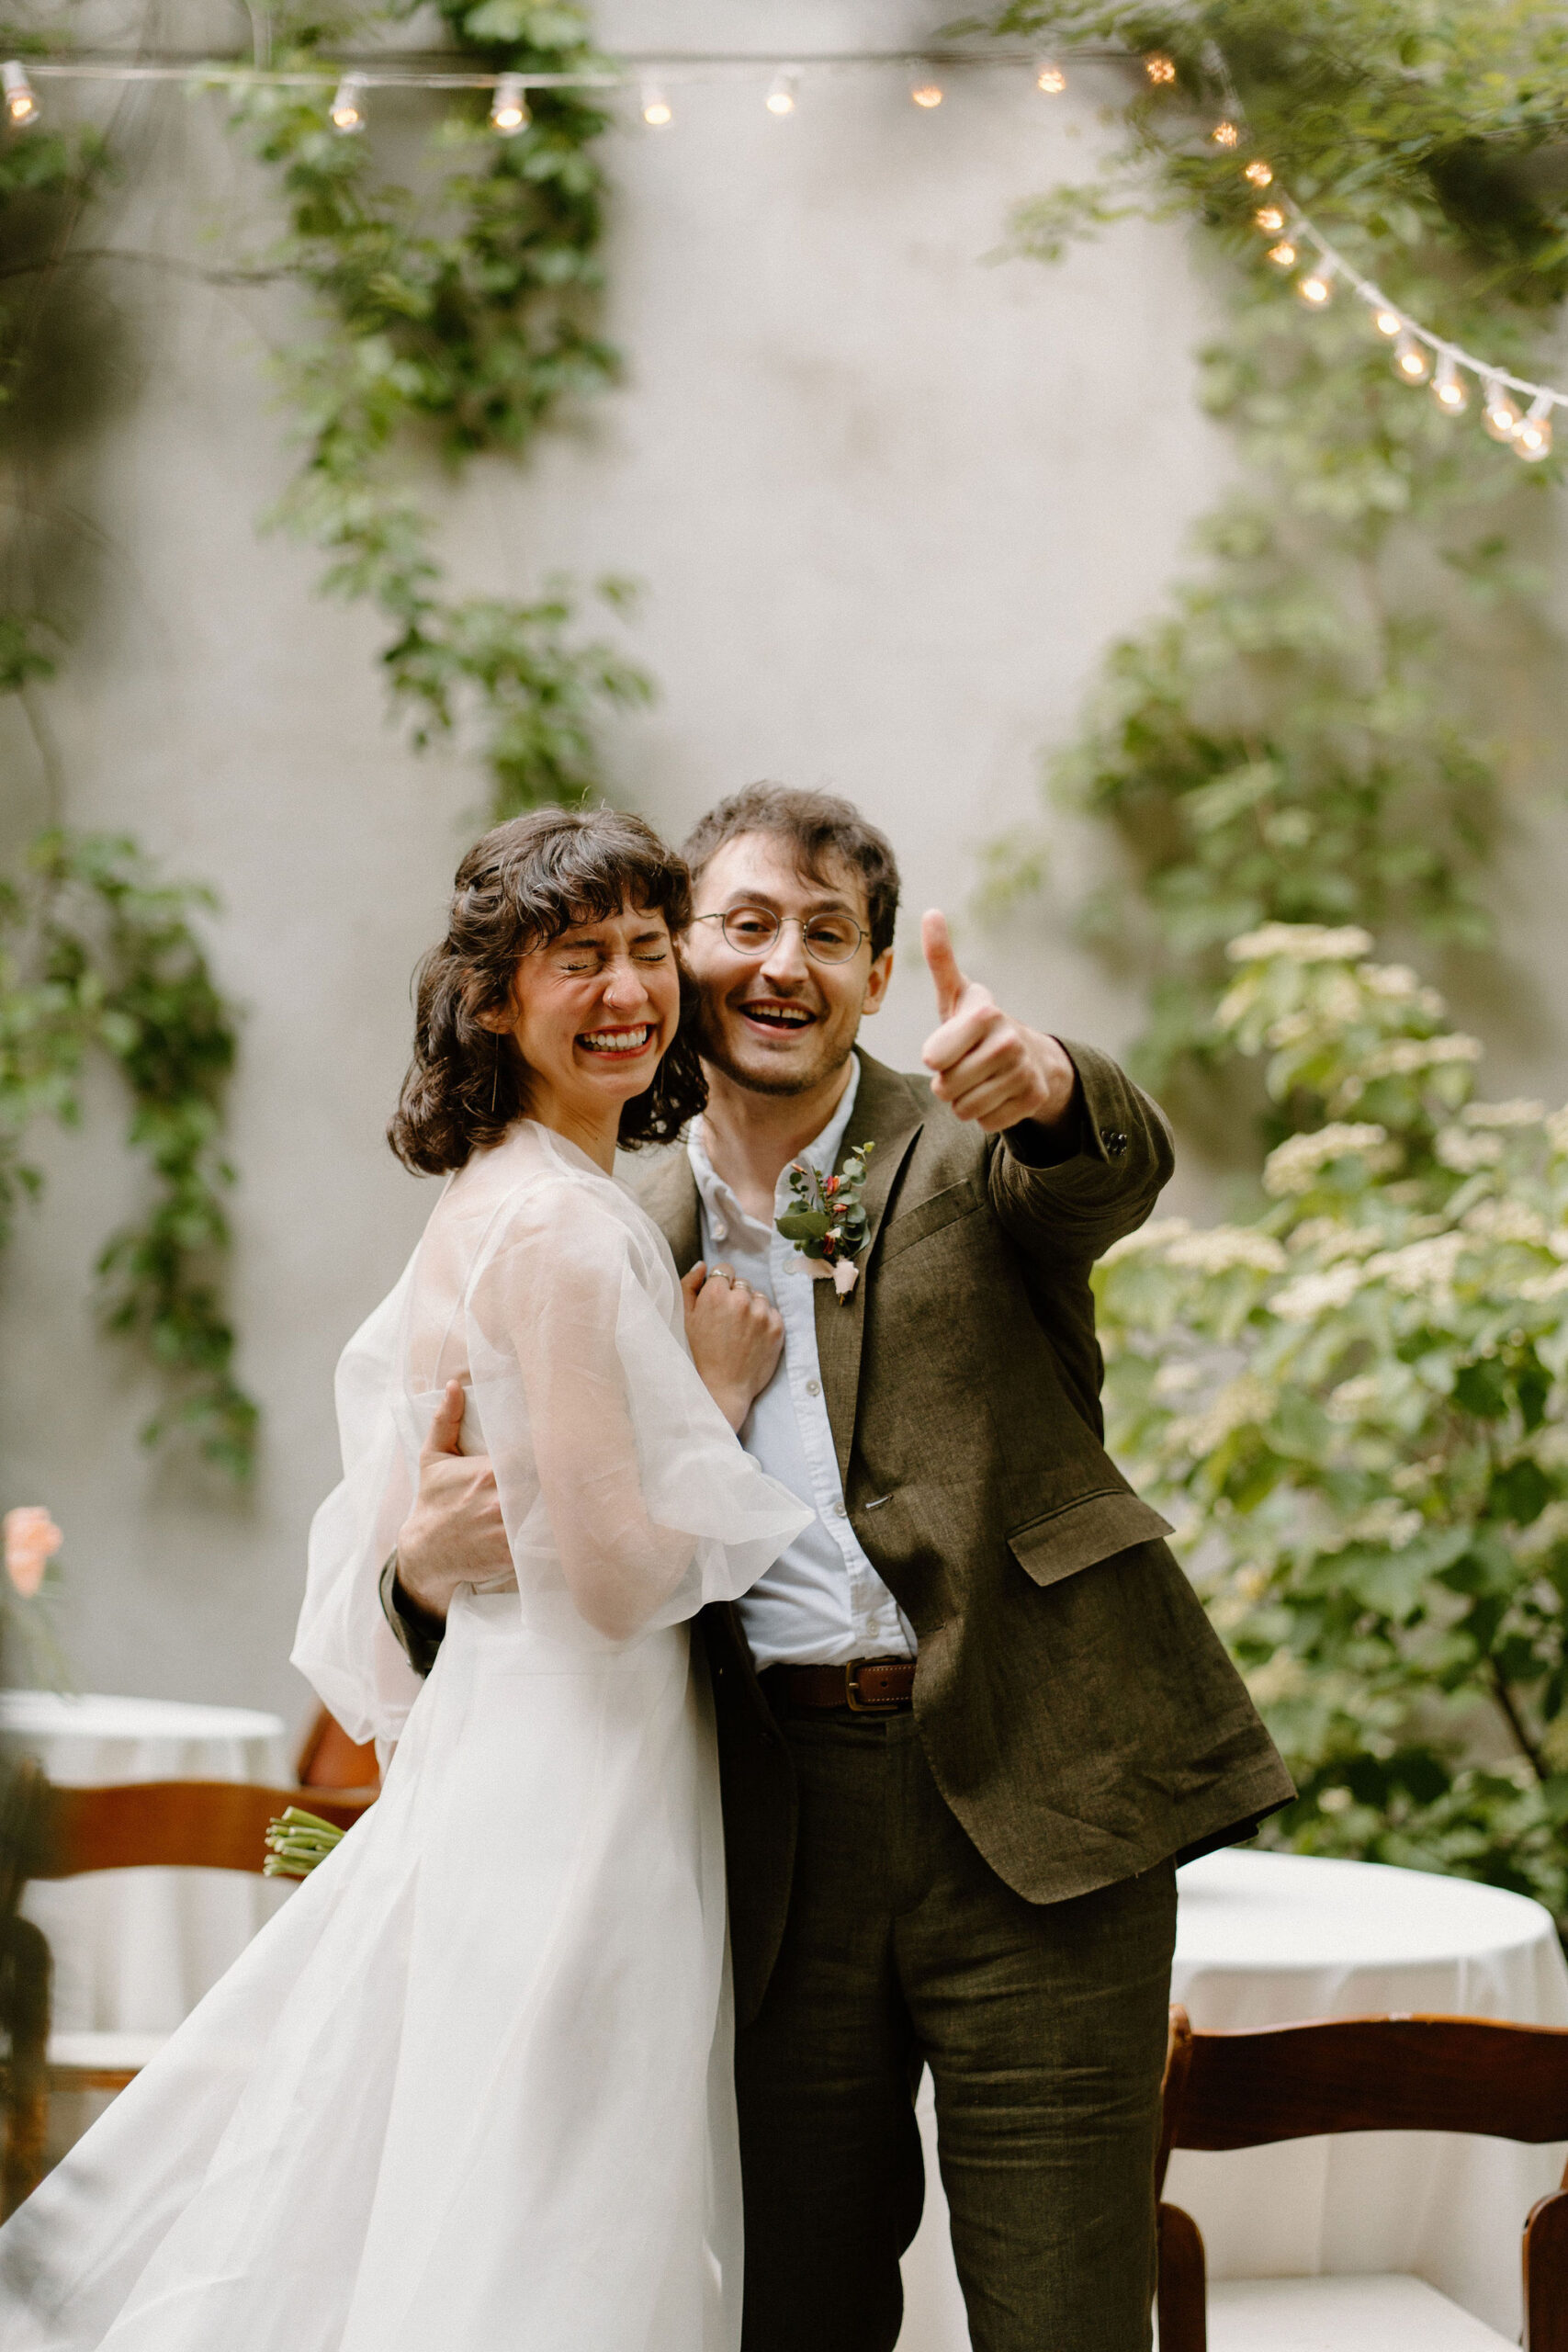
1225, 1247
1317, 1294
1353, 1398
1407, 1057
1147, 1239
1557, 1129
1520, 1112
1397, 984
1294, 1165
1465, 1152
1332, 1240
1506, 1221
1385, 1521
1422, 1268
1300, 943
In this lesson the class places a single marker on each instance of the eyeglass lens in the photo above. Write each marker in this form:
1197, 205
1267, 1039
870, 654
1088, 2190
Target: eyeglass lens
829, 939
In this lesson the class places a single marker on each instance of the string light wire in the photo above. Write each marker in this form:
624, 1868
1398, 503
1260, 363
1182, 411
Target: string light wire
348, 78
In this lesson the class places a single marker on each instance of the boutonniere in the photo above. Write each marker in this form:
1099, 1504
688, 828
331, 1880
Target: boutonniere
828, 1225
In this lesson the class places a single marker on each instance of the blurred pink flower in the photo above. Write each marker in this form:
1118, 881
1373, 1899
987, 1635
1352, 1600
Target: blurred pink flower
32, 1540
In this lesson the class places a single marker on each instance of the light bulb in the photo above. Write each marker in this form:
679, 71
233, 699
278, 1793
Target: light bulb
781, 97
1449, 388
1500, 413
1160, 68
21, 105
509, 108
1051, 79
925, 89
1225, 134
1283, 254
1270, 218
1317, 286
1388, 322
656, 107
347, 114
1258, 173
1533, 440
1411, 359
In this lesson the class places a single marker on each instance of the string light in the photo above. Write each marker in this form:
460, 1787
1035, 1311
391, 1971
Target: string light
657, 109
509, 108
21, 105
1283, 254
1412, 360
1500, 413
1225, 134
1160, 68
347, 114
1533, 440
1316, 287
1270, 218
1387, 321
924, 87
781, 97
1448, 387
1259, 173
1051, 79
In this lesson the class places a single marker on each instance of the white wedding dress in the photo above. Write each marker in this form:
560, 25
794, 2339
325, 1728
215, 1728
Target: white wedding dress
471, 2091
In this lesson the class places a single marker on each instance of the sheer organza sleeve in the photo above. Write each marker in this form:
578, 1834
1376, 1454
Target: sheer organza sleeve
618, 1475
343, 1646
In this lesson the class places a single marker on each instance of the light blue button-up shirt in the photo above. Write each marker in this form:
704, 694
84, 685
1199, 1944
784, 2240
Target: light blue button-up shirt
821, 1603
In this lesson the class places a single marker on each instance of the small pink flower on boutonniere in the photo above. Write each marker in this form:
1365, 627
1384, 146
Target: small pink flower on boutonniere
31, 1540
827, 1225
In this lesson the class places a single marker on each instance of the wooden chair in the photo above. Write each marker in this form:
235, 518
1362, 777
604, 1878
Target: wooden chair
1389, 2074
198, 1824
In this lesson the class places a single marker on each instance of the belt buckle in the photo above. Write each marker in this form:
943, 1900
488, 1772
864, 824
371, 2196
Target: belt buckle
853, 1699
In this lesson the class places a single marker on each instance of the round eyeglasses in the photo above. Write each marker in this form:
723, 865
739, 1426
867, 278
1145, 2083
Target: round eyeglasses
751, 930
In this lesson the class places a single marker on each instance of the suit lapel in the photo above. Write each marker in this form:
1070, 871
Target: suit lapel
887, 1113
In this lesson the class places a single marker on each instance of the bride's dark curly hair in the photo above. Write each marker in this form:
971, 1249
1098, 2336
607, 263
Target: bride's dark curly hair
518, 889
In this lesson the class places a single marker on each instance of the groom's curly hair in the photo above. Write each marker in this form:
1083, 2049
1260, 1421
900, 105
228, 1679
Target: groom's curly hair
518, 889
818, 827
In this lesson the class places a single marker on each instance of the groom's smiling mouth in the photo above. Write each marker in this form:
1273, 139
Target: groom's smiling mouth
776, 1016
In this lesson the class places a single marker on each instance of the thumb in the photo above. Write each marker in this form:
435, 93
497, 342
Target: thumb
940, 961
445, 1429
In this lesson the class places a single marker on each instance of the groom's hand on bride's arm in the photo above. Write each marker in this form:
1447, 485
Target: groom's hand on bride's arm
454, 1533
992, 1070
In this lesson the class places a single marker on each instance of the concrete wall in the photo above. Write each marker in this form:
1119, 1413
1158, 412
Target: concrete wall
889, 501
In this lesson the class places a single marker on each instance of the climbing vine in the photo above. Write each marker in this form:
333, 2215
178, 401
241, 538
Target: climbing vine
463, 318
1307, 734
97, 956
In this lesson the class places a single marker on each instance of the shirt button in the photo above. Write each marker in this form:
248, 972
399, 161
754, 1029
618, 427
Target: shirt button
838, 1512
814, 1388
721, 1233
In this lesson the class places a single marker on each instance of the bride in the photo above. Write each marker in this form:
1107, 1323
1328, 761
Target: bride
471, 2089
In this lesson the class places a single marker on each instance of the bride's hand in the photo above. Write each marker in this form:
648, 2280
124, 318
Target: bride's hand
736, 1338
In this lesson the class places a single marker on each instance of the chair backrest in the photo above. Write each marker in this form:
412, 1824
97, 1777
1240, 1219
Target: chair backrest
1389, 2074
204, 1824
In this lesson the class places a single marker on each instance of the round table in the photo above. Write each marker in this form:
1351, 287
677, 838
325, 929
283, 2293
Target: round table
134, 1951
1264, 1938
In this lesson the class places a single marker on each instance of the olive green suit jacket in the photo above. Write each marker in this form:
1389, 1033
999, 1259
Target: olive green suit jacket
1076, 1709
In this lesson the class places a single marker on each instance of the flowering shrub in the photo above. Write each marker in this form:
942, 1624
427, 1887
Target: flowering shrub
1355, 1409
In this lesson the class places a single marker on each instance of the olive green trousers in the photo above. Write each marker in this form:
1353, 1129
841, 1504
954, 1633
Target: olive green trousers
1045, 2030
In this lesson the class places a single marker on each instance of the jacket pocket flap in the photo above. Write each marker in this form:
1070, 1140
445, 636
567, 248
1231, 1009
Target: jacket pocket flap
1078, 1534
930, 1214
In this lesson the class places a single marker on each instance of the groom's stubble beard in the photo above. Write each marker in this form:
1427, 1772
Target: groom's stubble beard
713, 1051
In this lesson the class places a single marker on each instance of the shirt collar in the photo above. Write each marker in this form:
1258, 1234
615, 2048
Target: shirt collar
822, 1151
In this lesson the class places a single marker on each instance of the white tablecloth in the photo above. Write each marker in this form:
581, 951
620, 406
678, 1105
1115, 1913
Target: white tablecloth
134, 1951
1262, 1938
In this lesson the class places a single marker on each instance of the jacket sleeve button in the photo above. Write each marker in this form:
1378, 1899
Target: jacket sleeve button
1113, 1140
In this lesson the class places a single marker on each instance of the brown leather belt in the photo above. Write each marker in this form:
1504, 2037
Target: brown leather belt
867, 1686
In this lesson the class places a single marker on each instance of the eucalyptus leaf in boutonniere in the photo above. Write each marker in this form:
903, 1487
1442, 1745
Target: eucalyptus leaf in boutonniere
828, 1225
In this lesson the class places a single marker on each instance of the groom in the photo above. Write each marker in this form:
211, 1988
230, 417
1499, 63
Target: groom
972, 1718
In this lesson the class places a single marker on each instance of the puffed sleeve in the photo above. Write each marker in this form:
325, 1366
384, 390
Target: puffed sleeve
343, 1646
617, 1473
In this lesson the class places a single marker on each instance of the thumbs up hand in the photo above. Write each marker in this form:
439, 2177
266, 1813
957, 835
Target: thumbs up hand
988, 1068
